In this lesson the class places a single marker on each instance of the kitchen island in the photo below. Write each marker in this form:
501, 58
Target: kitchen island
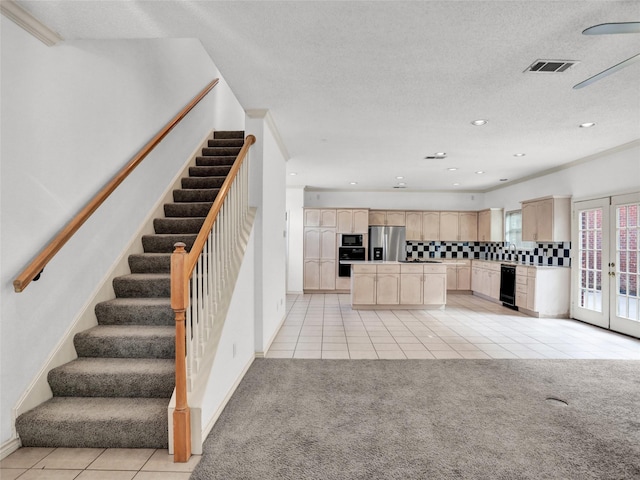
398, 285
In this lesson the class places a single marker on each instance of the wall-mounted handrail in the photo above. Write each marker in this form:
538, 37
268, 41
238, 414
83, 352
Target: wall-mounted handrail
40, 261
197, 281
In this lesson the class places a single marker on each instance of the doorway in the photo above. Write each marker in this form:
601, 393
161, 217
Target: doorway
605, 259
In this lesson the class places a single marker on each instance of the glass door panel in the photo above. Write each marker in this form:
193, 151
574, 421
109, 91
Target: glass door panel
625, 306
591, 287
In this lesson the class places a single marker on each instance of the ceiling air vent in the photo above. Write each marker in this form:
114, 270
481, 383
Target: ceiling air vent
553, 66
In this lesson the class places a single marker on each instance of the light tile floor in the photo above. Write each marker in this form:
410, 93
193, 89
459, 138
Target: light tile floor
325, 326
94, 464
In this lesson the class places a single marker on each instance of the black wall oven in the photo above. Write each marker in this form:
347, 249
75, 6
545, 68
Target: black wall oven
348, 253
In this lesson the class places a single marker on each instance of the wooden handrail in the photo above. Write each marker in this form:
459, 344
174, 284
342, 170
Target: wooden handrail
36, 266
201, 239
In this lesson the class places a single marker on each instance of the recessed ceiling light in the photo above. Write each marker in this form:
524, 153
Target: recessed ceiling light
519, 154
440, 154
452, 169
399, 177
587, 125
353, 183
480, 171
456, 184
478, 122
401, 183
293, 174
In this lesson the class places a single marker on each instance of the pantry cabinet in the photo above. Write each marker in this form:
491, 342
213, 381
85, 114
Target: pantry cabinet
320, 217
320, 265
491, 225
547, 219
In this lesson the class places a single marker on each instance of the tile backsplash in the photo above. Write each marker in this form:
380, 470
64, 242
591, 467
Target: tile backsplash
554, 254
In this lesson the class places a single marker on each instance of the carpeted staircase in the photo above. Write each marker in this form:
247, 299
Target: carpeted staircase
116, 393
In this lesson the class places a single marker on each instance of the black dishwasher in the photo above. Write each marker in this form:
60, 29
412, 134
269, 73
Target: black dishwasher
508, 285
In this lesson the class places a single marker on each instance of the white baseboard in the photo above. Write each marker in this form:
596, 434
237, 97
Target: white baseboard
9, 447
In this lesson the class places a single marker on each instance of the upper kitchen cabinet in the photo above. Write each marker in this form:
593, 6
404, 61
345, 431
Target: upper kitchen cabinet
353, 220
387, 217
547, 219
458, 226
491, 225
319, 217
423, 226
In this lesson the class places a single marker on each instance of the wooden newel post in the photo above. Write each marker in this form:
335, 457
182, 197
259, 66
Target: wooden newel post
179, 304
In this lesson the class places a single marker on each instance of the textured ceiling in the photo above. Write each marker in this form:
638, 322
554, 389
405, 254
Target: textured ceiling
362, 91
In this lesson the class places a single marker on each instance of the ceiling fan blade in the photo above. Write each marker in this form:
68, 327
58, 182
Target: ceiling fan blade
609, 28
607, 72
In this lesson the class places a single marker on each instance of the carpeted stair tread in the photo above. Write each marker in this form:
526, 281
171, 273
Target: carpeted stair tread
215, 161
209, 171
228, 134
225, 142
126, 341
223, 151
196, 195
178, 225
135, 311
114, 377
143, 285
165, 242
192, 209
83, 422
150, 262
191, 183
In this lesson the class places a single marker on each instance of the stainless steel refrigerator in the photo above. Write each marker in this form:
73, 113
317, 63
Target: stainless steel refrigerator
387, 243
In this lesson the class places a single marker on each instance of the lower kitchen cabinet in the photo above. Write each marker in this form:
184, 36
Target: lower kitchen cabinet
399, 285
485, 279
458, 274
319, 274
543, 291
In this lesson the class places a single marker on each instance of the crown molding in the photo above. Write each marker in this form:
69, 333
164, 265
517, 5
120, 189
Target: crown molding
268, 118
28, 22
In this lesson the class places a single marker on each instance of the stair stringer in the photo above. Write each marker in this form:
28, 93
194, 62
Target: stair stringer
200, 383
39, 390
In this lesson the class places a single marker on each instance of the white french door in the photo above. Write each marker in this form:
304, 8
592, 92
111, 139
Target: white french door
605, 263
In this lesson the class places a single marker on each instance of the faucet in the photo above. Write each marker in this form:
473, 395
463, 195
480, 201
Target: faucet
512, 251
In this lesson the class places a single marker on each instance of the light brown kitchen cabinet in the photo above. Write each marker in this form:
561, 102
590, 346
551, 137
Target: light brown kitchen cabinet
543, 291
411, 288
458, 226
459, 275
491, 225
485, 278
434, 290
547, 219
388, 284
319, 217
319, 252
353, 220
363, 284
422, 226
387, 217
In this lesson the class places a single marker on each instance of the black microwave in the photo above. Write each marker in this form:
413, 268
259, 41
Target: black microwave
349, 240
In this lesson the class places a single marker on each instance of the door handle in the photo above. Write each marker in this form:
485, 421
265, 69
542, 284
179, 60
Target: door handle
612, 264
612, 274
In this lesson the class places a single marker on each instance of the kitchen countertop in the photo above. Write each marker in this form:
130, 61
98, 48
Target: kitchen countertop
445, 261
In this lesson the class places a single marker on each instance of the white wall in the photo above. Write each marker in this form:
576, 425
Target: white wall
72, 115
267, 186
611, 172
236, 348
295, 238
396, 200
